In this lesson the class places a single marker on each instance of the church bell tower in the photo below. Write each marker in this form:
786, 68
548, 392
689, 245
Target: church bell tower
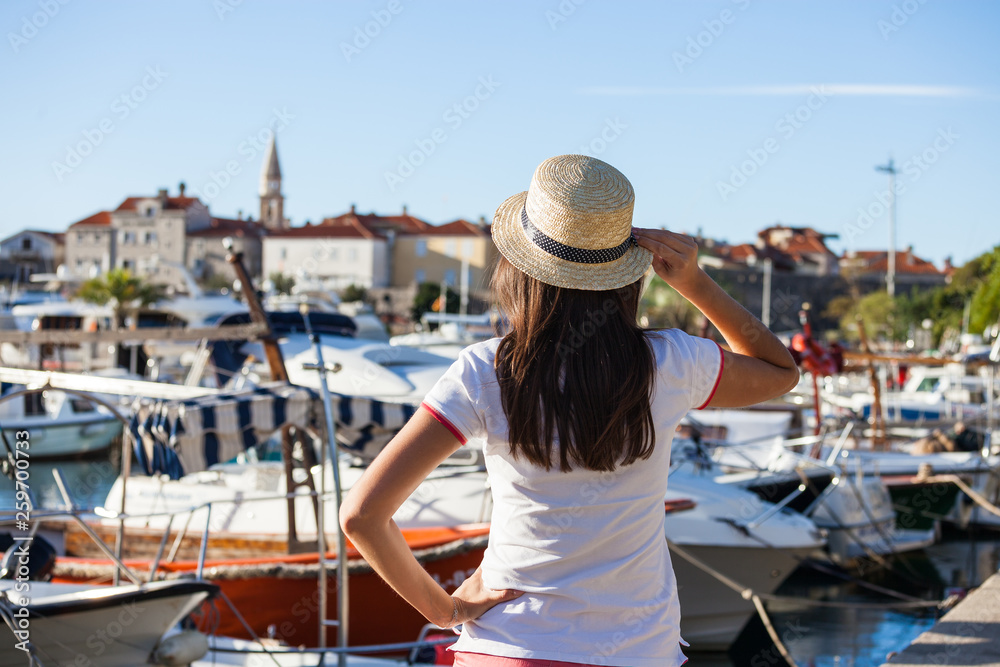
272, 202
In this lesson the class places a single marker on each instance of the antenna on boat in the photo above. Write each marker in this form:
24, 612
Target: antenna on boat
341, 560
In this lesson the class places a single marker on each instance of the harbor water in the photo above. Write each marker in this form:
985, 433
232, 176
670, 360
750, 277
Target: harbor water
847, 636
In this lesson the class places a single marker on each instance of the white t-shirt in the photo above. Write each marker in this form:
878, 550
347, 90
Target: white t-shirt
587, 547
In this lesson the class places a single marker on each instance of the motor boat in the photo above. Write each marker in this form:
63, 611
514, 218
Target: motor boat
364, 367
920, 497
79, 624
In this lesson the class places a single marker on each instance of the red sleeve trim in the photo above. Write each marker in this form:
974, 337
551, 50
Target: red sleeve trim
722, 364
444, 422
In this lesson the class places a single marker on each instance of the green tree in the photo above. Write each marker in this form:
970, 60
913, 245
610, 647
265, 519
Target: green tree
985, 309
663, 307
427, 294
122, 291
282, 284
353, 293
217, 282
883, 316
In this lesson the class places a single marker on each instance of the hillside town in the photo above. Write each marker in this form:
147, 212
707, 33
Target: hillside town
171, 237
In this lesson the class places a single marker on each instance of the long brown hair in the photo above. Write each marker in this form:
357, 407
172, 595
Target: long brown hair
575, 365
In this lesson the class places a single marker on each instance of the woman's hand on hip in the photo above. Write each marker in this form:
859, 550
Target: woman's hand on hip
473, 598
675, 257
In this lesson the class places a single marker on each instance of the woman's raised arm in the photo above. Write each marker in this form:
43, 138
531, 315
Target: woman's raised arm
759, 367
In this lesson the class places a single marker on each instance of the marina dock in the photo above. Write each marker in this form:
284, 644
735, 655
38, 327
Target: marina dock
969, 634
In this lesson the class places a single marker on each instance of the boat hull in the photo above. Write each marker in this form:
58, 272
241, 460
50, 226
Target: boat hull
713, 614
66, 439
116, 627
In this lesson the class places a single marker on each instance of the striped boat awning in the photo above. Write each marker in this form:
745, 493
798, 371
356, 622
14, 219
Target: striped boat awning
180, 437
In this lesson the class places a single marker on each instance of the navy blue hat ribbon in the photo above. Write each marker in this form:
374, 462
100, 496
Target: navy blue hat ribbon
569, 253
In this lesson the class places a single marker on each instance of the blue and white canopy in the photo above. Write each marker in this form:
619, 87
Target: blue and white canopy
179, 437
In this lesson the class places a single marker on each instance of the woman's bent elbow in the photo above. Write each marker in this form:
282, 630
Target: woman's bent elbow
352, 521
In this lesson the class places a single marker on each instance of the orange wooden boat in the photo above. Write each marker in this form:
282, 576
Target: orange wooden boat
278, 595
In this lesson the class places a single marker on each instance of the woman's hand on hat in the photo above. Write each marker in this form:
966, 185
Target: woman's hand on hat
675, 257
473, 598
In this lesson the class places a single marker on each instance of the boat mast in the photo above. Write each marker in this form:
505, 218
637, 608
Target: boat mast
275, 360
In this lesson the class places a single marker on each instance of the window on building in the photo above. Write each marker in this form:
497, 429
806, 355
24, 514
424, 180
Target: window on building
421, 247
449, 247
420, 276
127, 264
333, 253
79, 265
352, 254
150, 211
449, 277
79, 237
128, 238
467, 248
26, 243
150, 238
283, 253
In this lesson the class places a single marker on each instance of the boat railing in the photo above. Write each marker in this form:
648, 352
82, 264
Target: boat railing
79, 517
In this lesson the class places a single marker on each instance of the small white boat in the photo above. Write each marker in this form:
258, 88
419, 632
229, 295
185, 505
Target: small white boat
55, 423
930, 394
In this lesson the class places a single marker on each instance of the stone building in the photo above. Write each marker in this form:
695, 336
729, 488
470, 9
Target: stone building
337, 255
869, 268
153, 236
30, 252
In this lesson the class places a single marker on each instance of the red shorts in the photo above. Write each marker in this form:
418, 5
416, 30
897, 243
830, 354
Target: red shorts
463, 659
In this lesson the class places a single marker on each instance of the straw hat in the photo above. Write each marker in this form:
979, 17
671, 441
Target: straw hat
573, 227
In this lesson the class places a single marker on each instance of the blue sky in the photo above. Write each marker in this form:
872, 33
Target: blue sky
726, 115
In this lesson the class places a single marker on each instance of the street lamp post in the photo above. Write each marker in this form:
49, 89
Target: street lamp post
890, 275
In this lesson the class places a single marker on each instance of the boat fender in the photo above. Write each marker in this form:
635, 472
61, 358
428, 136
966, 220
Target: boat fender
41, 558
181, 649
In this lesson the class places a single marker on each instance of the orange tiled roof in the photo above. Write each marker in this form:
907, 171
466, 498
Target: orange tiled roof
228, 227
401, 224
458, 227
800, 241
99, 218
171, 202
405, 224
877, 261
326, 229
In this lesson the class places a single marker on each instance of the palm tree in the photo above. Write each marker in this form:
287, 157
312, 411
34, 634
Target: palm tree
122, 291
